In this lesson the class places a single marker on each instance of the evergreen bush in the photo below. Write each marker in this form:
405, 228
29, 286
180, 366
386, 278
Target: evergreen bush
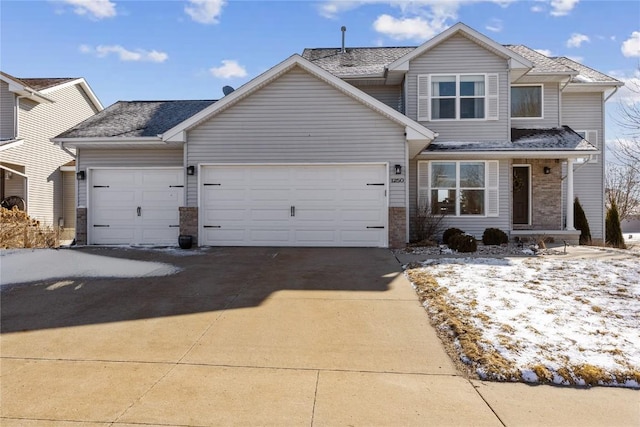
581, 223
450, 232
463, 243
612, 227
494, 236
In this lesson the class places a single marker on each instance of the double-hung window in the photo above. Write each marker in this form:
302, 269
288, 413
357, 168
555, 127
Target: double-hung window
457, 97
458, 188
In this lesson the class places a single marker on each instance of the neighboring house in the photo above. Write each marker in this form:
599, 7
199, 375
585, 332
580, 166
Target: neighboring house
343, 147
32, 111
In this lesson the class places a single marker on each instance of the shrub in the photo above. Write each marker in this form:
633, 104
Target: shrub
581, 223
612, 227
18, 230
450, 232
463, 243
494, 236
427, 226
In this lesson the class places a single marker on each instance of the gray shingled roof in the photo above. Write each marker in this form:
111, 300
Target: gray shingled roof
46, 83
355, 62
371, 61
587, 74
136, 119
549, 139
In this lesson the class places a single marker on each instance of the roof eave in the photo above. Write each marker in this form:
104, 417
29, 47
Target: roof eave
509, 154
104, 142
85, 86
515, 60
178, 132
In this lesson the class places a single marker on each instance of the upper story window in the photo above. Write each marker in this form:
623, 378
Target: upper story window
457, 97
526, 102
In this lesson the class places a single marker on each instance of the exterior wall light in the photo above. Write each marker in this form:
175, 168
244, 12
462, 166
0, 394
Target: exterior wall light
80, 175
547, 170
191, 170
398, 169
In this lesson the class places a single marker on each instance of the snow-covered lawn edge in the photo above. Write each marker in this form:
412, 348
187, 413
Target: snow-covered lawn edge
537, 320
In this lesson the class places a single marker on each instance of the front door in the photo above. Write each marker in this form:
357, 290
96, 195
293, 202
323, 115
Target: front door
521, 194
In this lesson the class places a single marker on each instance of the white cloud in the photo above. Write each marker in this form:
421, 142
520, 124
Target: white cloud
577, 39
495, 25
629, 94
631, 46
138, 55
407, 28
545, 52
95, 9
562, 7
537, 8
205, 11
228, 70
576, 58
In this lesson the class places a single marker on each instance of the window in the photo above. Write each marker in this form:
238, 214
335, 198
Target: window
459, 188
592, 137
457, 97
526, 102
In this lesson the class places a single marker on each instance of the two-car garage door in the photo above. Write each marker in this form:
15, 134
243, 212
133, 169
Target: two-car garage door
293, 205
135, 206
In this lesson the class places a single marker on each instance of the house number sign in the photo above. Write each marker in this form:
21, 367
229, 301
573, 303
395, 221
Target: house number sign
397, 180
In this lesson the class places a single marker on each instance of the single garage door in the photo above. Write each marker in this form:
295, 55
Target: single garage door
135, 206
294, 205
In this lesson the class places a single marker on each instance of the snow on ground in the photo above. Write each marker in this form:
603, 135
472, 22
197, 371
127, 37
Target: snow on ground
30, 265
563, 321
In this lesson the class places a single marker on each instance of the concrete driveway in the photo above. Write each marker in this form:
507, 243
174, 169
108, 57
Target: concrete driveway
255, 336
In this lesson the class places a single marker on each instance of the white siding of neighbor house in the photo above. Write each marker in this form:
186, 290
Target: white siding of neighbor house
459, 55
551, 101
37, 123
298, 119
473, 225
7, 112
389, 95
582, 112
123, 158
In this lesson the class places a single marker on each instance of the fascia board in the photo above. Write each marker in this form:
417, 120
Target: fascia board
509, 154
85, 86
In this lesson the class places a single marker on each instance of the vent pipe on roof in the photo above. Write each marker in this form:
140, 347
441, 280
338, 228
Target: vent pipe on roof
344, 30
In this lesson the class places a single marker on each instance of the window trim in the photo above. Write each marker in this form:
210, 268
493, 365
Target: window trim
488, 188
458, 97
541, 86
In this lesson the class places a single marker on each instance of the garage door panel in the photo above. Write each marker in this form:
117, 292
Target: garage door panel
332, 205
139, 206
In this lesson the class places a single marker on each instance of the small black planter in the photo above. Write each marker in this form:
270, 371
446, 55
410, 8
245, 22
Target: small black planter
185, 241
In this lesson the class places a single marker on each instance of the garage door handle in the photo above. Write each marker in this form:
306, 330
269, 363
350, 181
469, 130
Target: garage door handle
212, 226
139, 211
293, 211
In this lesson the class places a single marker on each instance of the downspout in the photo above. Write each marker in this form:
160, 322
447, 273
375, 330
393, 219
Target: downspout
560, 101
612, 93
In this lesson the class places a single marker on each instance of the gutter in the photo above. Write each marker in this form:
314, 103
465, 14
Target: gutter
612, 93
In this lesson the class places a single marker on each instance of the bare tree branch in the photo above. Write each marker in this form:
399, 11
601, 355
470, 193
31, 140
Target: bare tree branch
622, 183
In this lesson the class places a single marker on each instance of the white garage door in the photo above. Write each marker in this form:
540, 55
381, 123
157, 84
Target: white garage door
135, 206
294, 205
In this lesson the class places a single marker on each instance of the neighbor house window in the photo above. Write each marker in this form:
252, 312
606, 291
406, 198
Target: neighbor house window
457, 97
458, 188
526, 102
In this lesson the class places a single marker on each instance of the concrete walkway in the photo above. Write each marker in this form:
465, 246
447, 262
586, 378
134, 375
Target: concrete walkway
256, 337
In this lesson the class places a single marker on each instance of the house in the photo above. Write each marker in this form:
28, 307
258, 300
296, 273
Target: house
35, 172
346, 146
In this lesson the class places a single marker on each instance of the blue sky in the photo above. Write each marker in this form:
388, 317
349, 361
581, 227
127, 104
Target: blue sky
139, 50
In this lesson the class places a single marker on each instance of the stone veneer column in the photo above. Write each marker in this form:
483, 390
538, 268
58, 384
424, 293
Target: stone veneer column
397, 227
81, 226
189, 222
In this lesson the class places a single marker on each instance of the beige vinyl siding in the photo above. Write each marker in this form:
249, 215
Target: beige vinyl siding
37, 123
298, 119
123, 158
389, 95
584, 111
459, 55
551, 101
14, 186
472, 224
69, 199
7, 111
